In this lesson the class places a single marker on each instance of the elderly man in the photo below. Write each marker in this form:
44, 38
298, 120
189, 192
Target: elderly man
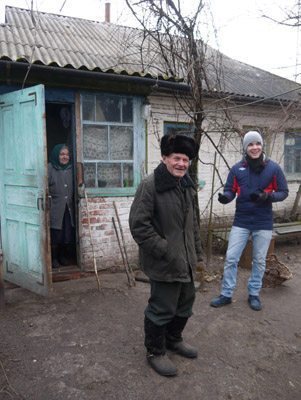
163, 222
256, 182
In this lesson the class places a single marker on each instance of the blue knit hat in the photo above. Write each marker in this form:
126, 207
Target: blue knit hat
250, 137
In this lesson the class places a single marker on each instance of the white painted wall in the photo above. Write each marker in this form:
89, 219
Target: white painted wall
164, 108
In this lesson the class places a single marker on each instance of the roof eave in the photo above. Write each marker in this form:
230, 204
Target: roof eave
12, 72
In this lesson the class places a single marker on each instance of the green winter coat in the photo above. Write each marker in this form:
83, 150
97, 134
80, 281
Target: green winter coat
163, 223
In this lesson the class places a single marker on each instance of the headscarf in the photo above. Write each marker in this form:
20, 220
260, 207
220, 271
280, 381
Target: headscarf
54, 156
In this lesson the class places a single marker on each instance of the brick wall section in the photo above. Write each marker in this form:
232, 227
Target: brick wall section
104, 238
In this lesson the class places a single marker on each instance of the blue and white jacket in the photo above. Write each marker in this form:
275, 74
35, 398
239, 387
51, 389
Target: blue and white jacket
242, 181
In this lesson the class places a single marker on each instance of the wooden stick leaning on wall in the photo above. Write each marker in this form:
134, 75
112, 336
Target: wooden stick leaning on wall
92, 245
128, 266
130, 280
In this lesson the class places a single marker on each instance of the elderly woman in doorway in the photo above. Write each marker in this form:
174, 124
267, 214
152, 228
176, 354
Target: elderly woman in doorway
60, 182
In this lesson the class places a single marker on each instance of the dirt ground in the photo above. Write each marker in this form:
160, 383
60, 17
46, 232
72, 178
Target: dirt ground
88, 345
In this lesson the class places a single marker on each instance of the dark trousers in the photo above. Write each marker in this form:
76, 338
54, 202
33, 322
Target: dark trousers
169, 300
66, 235
169, 307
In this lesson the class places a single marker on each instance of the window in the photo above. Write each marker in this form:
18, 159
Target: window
112, 137
292, 153
178, 127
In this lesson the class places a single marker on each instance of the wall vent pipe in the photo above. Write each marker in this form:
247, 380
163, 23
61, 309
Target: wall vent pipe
108, 12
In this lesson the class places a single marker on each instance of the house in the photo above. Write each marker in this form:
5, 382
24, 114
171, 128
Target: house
82, 82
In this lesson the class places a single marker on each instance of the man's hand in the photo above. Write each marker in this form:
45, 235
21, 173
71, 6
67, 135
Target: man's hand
259, 196
223, 199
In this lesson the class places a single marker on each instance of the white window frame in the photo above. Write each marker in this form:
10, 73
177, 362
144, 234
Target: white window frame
289, 142
138, 146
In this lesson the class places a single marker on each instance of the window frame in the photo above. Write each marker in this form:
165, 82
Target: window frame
138, 146
290, 175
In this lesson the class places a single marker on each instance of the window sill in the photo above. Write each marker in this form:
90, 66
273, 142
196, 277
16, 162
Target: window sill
108, 192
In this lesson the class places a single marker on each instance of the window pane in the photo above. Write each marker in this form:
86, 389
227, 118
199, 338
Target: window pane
109, 175
288, 160
298, 161
89, 175
95, 142
121, 141
107, 108
88, 103
127, 110
292, 152
171, 128
128, 176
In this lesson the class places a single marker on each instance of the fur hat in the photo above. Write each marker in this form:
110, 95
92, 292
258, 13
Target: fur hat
177, 143
250, 137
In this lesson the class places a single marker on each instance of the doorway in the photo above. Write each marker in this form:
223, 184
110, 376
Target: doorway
60, 129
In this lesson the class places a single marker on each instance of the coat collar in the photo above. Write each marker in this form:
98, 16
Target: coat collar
165, 181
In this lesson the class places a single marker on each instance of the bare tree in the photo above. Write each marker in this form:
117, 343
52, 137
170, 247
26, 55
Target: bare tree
289, 16
173, 43
183, 55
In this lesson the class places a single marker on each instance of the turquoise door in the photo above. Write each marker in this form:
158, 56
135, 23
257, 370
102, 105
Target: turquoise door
24, 190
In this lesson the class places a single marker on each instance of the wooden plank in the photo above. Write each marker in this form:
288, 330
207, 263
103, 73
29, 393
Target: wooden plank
280, 224
59, 276
288, 229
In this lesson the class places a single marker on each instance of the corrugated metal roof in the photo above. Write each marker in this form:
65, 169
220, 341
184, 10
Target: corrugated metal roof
51, 39
65, 41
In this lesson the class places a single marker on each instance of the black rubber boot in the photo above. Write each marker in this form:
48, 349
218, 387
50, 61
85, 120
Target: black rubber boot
155, 345
54, 256
174, 340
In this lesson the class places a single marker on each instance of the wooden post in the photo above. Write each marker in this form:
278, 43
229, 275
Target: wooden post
296, 204
209, 237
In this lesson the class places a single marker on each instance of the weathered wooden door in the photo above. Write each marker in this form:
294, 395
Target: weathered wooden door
24, 190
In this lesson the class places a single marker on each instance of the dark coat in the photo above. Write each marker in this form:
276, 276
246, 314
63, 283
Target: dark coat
61, 191
242, 182
163, 222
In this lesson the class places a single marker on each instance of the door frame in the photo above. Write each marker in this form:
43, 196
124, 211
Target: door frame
70, 102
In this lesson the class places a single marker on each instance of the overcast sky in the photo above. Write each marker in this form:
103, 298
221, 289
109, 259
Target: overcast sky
241, 32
